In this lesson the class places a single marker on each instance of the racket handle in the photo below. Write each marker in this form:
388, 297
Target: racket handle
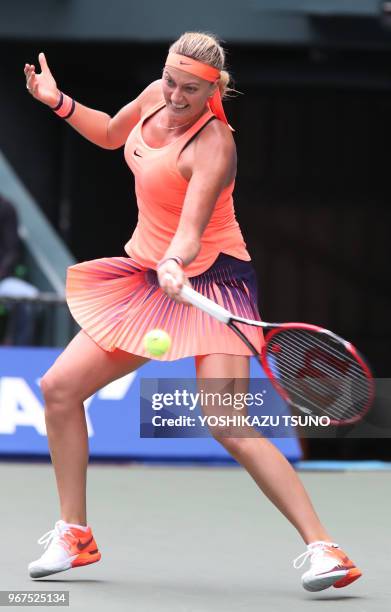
203, 303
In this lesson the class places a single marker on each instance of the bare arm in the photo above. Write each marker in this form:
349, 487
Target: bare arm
112, 132
96, 126
214, 168
101, 129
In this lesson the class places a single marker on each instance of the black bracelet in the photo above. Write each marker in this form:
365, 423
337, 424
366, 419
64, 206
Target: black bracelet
60, 102
71, 111
175, 258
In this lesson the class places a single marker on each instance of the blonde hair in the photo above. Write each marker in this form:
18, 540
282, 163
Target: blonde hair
204, 48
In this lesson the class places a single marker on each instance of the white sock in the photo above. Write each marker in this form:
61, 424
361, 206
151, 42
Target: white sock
320, 542
82, 527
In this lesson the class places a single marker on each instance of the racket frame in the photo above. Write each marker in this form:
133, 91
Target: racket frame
225, 316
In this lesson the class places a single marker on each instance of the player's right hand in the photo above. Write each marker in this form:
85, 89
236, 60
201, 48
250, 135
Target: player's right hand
171, 279
42, 86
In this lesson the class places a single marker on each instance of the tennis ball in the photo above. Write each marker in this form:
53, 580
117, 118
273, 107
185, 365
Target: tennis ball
157, 342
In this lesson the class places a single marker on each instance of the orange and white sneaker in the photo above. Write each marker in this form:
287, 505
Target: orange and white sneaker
330, 566
66, 546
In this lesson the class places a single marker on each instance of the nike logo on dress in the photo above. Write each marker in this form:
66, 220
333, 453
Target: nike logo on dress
81, 546
135, 152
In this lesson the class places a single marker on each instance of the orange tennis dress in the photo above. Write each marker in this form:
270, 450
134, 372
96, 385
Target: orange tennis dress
117, 300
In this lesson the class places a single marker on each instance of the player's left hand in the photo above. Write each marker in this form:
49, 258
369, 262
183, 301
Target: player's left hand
171, 279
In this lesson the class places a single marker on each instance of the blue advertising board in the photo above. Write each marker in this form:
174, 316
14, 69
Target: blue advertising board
112, 414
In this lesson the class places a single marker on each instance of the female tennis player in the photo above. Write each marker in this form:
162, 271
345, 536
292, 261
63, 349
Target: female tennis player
181, 150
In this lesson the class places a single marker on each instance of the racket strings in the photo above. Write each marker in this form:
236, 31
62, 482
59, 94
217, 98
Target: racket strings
318, 373
340, 401
339, 409
322, 382
350, 372
355, 371
322, 341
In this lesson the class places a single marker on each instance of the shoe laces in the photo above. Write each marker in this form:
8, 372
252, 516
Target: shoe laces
316, 551
54, 536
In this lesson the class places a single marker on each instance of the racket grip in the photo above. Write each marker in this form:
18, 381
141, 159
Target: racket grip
204, 303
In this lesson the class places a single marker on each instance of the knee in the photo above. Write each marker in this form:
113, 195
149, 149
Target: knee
54, 390
236, 446
234, 437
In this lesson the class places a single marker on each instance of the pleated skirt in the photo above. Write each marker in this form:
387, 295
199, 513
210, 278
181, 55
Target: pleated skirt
116, 301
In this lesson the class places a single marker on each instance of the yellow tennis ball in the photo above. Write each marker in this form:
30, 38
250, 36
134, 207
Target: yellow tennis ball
157, 342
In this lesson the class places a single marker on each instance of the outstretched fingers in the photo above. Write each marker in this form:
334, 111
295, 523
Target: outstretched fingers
29, 71
43, 63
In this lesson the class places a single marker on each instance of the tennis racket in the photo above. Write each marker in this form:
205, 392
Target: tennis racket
313, 369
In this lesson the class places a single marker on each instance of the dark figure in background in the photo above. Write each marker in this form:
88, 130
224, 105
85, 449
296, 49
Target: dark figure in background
9, 239
17, 318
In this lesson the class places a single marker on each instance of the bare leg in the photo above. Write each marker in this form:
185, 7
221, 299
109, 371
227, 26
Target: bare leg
79, 371
262, 460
